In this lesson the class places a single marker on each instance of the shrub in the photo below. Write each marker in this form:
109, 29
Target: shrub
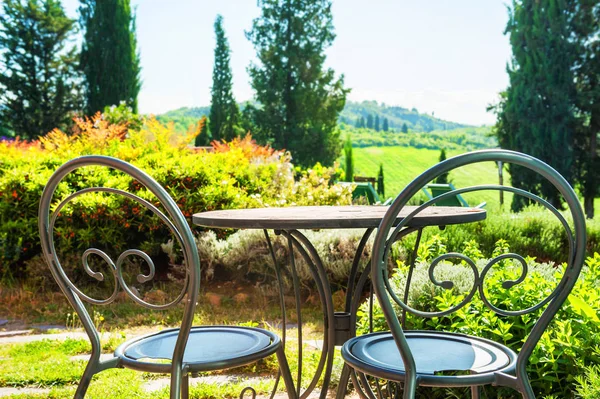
239, 174
569, 347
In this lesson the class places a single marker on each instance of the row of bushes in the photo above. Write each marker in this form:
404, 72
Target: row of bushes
239, 174
566, 359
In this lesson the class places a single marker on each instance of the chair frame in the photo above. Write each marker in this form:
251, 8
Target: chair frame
178, 225
379, 275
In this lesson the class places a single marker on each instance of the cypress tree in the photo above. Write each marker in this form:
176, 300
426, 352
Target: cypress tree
38, 79
442, 179
369, 121
357, 123
386, 126
203, 138
109, 57
404, 128
376, 124
300, 99
363, 124
586, 28
380, 186
535, 114
349, 170
224, 112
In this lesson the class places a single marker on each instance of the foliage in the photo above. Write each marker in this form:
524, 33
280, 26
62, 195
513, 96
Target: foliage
585, 25
589, 383
567, 348
109, 57
238, 174
464, 139
38, 82
535, 115
224, 112
123, 115
203, 137
399, 118
380, 183
299, 99
348, 160
442, 179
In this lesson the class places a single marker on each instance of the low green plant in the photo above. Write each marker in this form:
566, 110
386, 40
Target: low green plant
567, 350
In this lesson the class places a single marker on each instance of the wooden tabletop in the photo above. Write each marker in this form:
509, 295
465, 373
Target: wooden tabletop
331, 217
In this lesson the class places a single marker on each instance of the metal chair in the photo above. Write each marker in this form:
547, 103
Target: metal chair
441, 359
180, 351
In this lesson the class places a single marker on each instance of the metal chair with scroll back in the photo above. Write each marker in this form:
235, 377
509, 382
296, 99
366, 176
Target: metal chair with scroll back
180, 352
396, 362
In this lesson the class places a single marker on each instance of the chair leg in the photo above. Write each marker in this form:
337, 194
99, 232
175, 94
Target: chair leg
475, 392
185, 386
286, 374
343, 386
84, 383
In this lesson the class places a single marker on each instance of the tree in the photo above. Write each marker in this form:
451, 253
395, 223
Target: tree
535, 114
109, 57
380, 186
363, 124
386, 126
224, 112
349, 159
376, 124
369, 121
299, 99
357, 123
404, 128
38, 77
203, 138
443, 178
586, 29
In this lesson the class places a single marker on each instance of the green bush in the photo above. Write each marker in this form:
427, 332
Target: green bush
568, 348
239, 174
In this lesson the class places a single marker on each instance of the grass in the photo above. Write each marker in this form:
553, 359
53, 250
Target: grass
402, 164
48, 364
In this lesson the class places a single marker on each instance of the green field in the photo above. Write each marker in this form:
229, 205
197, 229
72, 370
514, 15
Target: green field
403, 164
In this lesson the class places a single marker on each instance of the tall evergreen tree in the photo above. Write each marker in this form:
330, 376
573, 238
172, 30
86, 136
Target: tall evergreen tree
380, 183
586, 30
38, 76
386, 126
369, 121
404, 128
443, 178
349, 160
300, 99
363, 124
357, 122
109, 57
224, 112
203, 138
535, 114
376, 124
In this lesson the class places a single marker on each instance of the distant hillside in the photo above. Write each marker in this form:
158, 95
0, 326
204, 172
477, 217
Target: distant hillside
183, 117
396, 116
353, 111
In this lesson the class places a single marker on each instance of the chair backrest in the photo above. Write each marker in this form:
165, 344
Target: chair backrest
389, 230
50, 210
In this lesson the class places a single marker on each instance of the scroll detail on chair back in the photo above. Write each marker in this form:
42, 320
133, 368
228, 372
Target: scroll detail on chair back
179, 351
444, 359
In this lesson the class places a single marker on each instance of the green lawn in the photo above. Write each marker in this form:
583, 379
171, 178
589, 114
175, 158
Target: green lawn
402, 164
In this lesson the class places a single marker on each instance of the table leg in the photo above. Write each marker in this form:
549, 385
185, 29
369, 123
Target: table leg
298, 241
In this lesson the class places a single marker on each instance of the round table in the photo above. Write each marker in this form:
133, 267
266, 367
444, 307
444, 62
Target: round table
339, 326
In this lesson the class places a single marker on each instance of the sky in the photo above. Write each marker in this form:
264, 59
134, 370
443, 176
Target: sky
438, 56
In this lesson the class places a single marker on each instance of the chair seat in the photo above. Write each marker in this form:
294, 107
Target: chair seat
376, 354
208, 348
